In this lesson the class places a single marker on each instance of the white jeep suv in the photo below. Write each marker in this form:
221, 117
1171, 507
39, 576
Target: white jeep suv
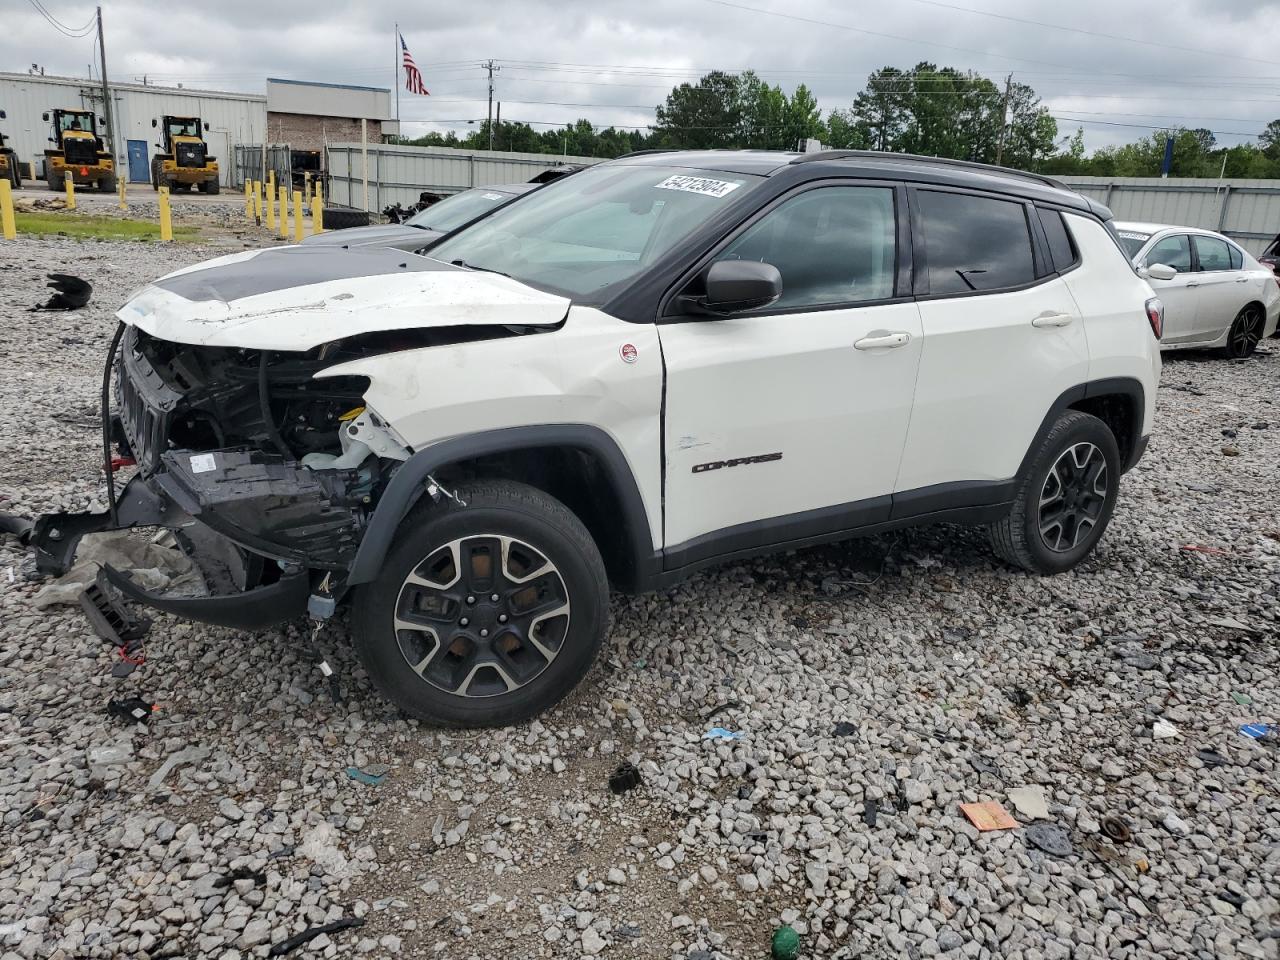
655, 364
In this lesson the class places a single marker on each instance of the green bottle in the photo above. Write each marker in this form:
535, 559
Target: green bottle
786, 944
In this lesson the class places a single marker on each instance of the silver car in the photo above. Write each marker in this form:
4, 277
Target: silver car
1215, 295
427, 226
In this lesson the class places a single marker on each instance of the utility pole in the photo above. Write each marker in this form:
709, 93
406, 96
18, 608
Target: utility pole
500, 127
106, 93
1004, 118
490, 67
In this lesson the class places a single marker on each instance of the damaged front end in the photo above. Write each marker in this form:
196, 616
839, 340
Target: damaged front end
265, 474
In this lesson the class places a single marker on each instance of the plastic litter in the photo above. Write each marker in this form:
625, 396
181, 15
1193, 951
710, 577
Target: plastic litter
1242, 698
1212, 758
1117, 828
720, 733
1052, 838
844, 729
130, 709
988, 815
372, 775
1256, 731
184, 756
625, 778
785, 944
1030, 802
69, 292
1164, 730
110, 617
306, 936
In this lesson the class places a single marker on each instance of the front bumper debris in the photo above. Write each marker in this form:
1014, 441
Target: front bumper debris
254, 609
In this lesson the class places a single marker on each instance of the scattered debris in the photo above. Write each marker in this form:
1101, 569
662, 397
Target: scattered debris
1117, 828
785, 944
844, 729
720, 733
1242, 698
1256, 731
69, 292
1019, 696
1030, 802
240, 873
720, 708
1260, 425
306, 936
625, 778
1229, 433
152, 566
984, 765
1164, 730
187, 755
988, 815
109, 616
372, 775
130, 709
1230, 451
1052, 838
1212, 758
1200, 548
1114, 857
870, 812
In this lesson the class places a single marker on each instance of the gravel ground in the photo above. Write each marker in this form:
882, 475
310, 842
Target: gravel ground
877, 685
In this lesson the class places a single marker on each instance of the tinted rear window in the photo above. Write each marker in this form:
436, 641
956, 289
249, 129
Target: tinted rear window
975, 243
1061, 247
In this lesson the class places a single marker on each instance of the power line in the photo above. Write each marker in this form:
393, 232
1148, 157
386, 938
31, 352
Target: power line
1147, 126
73, 32
1090, 33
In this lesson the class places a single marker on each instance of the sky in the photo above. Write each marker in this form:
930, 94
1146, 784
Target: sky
1114, 67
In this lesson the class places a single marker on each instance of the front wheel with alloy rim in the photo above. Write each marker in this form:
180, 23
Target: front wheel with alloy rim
1063, 503
1245, 332
488, 610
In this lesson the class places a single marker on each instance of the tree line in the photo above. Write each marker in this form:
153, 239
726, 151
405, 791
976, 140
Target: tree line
927, 109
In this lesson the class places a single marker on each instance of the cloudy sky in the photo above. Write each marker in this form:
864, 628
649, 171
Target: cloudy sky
1117, 69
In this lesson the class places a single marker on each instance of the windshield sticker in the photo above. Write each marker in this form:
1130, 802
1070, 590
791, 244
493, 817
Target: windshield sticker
1133, 236
702, 185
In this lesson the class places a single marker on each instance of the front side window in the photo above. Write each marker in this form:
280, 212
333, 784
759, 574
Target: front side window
831, 245
585, 235
1212, 253
452, 212
1172, 252
975, 243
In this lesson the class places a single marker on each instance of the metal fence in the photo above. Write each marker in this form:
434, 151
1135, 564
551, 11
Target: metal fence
396, 174
251, 157
1248, 211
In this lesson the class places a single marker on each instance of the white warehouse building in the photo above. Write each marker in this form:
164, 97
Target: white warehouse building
233, 118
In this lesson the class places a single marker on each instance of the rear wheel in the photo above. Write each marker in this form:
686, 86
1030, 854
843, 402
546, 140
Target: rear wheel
484, 614
212, 187
1245, 332
1063, 504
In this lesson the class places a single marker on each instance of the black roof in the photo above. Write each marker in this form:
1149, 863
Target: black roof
884, 166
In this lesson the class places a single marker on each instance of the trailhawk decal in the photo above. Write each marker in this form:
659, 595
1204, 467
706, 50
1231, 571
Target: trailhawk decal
702, 185
736, 462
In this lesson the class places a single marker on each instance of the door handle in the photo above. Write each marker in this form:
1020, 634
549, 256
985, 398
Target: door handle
1193, 283
1242, 279
1052, 320
880, 342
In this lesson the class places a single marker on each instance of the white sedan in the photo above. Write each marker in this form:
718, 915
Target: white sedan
1215, 294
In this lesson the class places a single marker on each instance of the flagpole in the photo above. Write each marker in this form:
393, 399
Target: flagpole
399, 135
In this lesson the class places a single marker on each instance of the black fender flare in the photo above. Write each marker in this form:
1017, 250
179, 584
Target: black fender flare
409, 483
1130, 387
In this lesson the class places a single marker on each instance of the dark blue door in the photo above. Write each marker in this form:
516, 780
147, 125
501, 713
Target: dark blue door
139, 168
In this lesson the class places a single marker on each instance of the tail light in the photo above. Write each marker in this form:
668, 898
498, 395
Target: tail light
1155, 316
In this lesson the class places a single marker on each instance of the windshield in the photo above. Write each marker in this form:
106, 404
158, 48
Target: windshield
1132, 241
594, 229
452, 212
75, 121
189, 127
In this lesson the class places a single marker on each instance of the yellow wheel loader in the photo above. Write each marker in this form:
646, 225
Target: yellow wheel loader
78, 148
185, 161
9, 169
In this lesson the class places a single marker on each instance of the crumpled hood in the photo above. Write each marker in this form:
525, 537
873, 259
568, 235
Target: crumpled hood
389, 234
296, 298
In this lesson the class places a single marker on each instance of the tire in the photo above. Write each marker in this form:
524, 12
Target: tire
463, 680
107, 184
1028, 536
1246, 332
339, 218
155, 174
212, 187
54, 183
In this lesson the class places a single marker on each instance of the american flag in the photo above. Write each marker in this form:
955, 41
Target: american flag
412, 76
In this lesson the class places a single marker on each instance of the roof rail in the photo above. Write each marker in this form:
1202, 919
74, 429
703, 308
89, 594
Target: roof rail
917, 158
641, 153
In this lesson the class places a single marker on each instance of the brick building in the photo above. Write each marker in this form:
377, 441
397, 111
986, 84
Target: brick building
307, 116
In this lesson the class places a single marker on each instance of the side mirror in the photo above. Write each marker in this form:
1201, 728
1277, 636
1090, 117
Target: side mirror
3, 115
206, 126
1161, 271
153, 121
734, 285
45, 116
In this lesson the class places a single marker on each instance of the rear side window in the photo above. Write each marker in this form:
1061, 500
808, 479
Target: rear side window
1061, 247
1172, 252
1212, 253
1237, 257
974, 243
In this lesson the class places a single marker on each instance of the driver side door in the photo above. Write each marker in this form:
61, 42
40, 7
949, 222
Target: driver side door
789, 421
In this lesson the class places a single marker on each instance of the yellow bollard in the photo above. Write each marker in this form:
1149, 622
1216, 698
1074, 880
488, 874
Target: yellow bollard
306, 186
257, 202
7, 225
320, 192
166, 221
248, 200
120, 188
317, 216
71, 190
284, 212
271, 208
297, 216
